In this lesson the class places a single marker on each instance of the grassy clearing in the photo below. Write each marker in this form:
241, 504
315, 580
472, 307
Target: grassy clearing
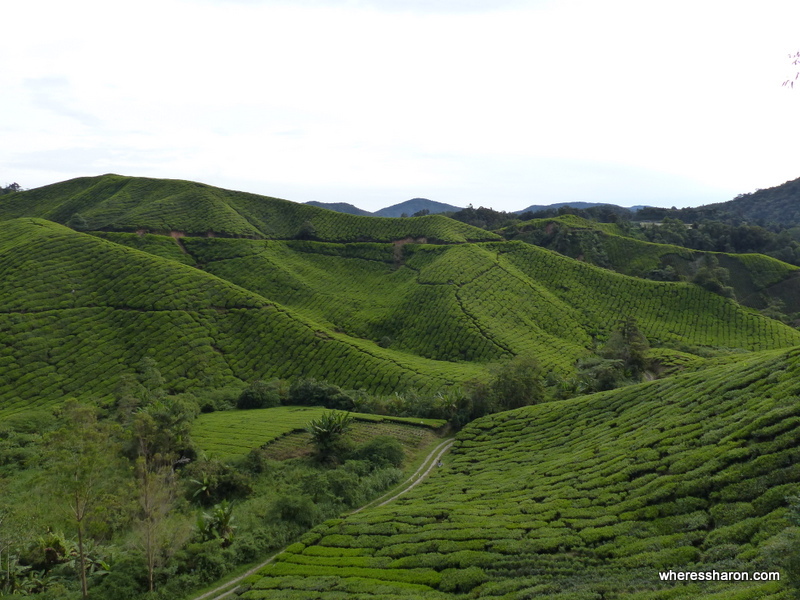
232, 434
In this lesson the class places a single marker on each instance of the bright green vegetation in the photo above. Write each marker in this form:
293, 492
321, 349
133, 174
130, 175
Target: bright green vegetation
122, 504
755, 279
117, 203
298, 443
572, 499
480, 302
78, 312
233, 434
151, 300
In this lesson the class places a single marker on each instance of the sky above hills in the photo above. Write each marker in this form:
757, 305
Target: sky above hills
494, 103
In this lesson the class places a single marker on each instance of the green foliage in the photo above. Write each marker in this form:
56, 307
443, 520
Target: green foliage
260, 394
81, 470
327, 433
296, 509
517, 383
212, 481
713, 277
381, 451
628, 345
307, 391
217, 524
594, 493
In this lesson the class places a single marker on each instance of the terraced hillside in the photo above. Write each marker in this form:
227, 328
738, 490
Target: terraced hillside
756, 279
476, 302
79, 311
76, 312
586, 498
117, 203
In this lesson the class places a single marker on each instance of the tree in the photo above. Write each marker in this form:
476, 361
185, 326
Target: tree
628, 344
517, 383
260, 394
307, 391
151, 380
218, 524
327, 431
11, 188
81, 460
307, 231
157, 534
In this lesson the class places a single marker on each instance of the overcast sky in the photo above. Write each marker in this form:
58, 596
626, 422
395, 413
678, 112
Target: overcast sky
494, 103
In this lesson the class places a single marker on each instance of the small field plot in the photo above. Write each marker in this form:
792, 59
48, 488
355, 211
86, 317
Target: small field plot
232, 434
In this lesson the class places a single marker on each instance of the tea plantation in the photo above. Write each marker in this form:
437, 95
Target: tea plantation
78, 312
117, 203
755, 279
586, 498
480, 302
232, 434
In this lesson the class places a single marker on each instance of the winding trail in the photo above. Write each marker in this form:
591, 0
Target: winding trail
414, 480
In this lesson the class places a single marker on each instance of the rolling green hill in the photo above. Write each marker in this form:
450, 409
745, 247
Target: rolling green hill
587, 498
477, 302
78, 312
756, 279
117, 203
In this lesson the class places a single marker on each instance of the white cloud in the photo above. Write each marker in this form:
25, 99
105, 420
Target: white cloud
493, 104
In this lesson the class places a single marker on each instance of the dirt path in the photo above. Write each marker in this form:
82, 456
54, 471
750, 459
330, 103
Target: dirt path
428, 465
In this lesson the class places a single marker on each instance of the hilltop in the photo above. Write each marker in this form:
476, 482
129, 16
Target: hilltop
340, 207
415, 205
117, 203
777, 205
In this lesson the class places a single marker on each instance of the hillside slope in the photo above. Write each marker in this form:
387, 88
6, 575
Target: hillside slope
482, 301
756, 279
586, 498
76, 312
473, 302
117, 203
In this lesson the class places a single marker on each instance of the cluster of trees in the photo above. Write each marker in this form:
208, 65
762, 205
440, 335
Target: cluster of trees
698, 229
488, 218
779, 242
126, 507
10, 188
